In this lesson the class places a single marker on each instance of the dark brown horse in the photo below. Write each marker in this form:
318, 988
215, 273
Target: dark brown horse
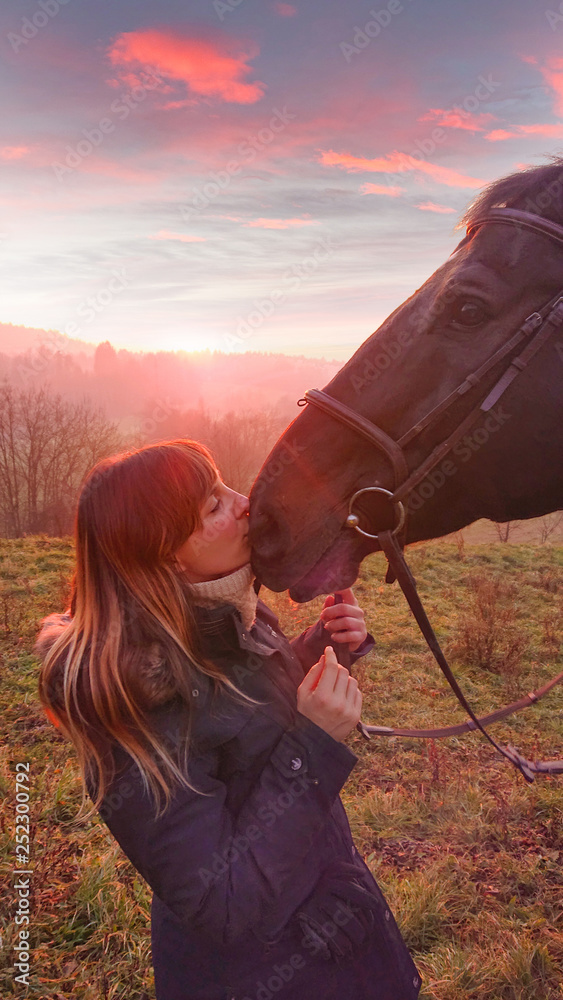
452, 341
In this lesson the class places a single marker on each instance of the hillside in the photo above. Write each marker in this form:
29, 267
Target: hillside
15, 340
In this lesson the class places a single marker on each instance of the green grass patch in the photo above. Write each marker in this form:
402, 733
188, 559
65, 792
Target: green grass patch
469, 855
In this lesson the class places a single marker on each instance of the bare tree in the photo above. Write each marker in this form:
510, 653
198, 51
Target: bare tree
548, 525
505, 529
240, 442
47, 445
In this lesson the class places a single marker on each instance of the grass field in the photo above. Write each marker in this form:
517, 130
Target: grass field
469, 855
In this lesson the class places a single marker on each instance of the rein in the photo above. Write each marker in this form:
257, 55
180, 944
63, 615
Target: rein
534, 333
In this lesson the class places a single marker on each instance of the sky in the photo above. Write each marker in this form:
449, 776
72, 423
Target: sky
250, 174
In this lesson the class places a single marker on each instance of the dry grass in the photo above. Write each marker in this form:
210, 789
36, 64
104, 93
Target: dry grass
488, 631
469, 856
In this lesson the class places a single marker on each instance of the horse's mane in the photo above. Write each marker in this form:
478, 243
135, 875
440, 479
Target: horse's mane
536, 189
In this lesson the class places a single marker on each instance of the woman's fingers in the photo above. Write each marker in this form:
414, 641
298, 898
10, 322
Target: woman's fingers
358, 698
341, 687
313, 675
340, 618
347, 596
329, 696
344, 626
325, 682
354, 635
341, 611
334, 683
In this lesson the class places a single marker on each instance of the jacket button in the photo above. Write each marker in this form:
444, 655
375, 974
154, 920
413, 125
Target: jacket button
415, 981
296, 763
388, 917
195, 693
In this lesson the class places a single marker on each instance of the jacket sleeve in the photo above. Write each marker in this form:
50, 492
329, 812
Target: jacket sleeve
224, 874
309, 646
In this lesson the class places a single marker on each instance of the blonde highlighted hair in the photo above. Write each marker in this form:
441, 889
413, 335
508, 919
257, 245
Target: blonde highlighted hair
134, 511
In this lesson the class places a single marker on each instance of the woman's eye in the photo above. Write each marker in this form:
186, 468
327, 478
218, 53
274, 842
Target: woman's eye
217, 501
467, 314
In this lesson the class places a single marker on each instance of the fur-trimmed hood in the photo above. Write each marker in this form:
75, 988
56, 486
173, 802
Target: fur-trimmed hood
153, 681
145, 663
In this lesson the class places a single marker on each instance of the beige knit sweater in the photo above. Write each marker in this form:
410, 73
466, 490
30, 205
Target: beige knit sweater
236, 588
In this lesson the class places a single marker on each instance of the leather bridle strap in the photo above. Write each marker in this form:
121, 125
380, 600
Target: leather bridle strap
539, 326
469, 726
536, 329
522, 220
399, 566
375, 435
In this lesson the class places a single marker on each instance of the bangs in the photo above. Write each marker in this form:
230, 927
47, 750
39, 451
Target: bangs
198, 475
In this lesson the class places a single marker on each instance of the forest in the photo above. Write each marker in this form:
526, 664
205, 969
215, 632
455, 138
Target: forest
65, 406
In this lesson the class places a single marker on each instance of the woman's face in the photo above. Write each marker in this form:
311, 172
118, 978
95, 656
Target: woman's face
221, 545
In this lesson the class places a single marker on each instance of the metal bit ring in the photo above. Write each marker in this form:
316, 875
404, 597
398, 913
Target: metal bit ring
353, 521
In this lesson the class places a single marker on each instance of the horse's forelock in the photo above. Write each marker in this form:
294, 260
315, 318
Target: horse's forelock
537, 189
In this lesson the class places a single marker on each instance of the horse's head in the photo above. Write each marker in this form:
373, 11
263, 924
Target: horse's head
507, 465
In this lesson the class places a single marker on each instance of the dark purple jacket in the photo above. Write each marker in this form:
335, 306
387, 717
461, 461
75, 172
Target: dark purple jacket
258, 887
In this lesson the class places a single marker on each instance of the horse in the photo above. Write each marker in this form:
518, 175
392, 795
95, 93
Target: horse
459, 394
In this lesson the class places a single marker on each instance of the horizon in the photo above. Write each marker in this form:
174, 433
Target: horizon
54, 340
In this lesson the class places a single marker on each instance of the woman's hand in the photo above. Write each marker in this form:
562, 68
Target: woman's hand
345, 621
330, 697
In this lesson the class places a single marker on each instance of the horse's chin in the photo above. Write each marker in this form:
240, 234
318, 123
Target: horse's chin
337, 568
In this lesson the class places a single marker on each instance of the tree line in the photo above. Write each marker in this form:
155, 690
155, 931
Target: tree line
48, 444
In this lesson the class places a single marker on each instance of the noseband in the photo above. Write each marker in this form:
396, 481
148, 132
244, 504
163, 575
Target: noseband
533, 334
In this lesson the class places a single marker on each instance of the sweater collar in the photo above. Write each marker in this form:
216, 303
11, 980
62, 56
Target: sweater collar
236, 589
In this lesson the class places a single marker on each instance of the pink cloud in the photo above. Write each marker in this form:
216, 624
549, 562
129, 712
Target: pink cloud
458, 119
498, 134
553, 75
431, 206
285, 9
392, 192
396, 162
280, 223
166, 234
208, 68
553, 131
14, 152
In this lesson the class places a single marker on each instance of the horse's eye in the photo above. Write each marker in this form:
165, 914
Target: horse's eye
468, 314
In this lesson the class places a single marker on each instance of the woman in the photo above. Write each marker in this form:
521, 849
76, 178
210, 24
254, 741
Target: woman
212, 747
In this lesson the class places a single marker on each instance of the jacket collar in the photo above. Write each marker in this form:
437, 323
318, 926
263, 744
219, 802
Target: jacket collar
222, 631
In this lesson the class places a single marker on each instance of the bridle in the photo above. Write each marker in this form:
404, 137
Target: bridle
534, 332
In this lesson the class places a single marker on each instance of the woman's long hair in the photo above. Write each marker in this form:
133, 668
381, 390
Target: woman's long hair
135, 510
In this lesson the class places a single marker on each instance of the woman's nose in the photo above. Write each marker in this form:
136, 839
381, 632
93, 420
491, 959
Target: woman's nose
242, 504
